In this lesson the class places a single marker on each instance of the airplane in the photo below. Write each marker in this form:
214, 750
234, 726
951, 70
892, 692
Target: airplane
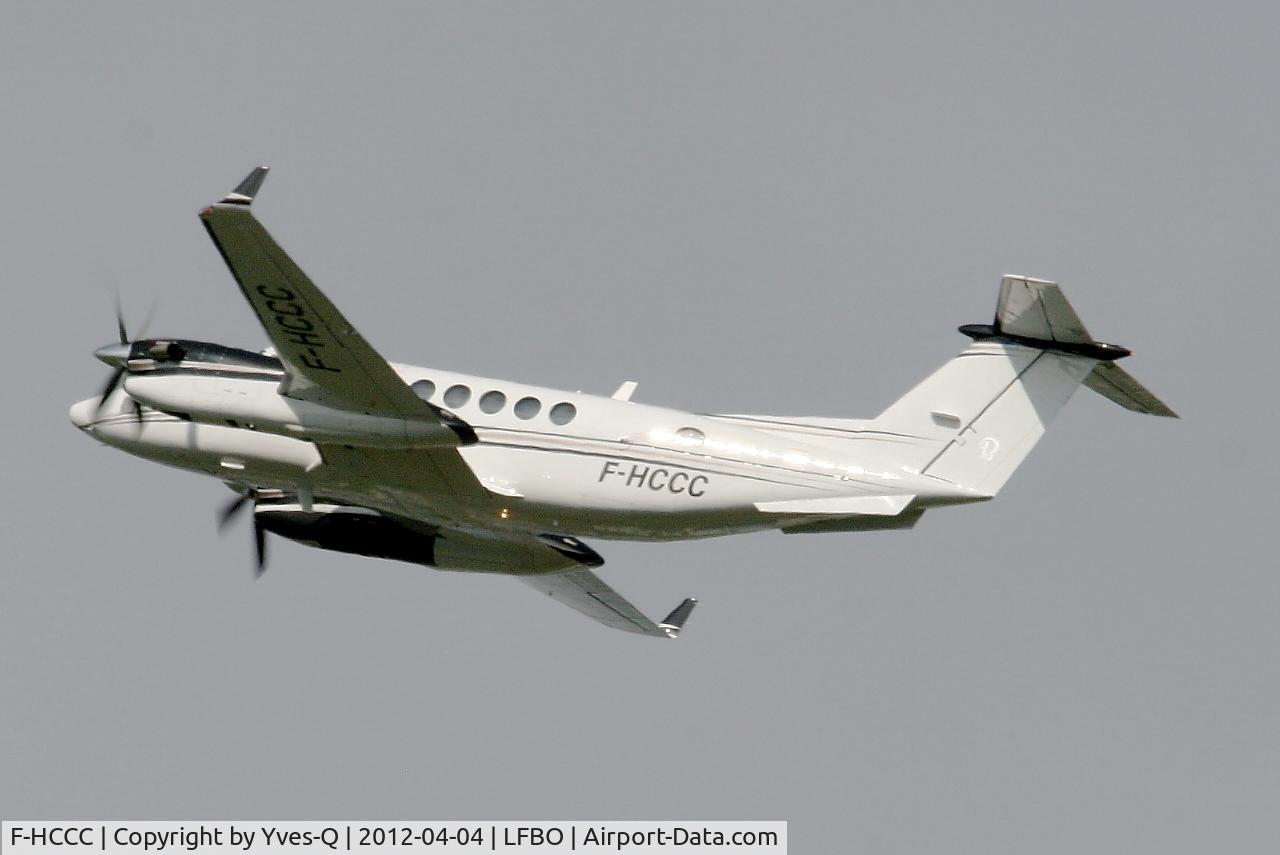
332, 446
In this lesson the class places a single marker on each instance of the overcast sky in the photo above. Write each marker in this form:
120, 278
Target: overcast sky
746, 208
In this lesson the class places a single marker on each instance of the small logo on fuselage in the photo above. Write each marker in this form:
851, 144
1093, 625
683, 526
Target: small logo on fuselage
656, 478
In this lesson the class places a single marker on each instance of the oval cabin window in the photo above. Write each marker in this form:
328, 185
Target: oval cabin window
424, 389
456, 396
527, 408
563, 413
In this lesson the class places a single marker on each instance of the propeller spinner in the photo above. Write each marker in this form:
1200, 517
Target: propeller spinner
116, 355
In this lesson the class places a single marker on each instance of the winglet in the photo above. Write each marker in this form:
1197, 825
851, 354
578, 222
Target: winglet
674, 622
248, 188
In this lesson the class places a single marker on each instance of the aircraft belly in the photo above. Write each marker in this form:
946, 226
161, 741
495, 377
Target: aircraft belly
624, 480
604, 524
366, 478
212, 449
614, 497
627, 497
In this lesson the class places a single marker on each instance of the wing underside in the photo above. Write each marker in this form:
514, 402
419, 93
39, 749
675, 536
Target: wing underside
557, 565
587, 593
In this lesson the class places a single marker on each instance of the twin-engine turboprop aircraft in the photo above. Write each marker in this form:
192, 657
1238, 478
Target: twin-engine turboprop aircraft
334, 447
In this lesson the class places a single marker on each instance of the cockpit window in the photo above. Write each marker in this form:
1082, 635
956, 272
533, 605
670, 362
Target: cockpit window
424, 389
456, 396
168, 352
165, 351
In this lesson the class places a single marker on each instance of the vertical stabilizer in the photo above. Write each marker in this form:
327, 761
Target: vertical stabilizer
984, 411
984, 453
975, 419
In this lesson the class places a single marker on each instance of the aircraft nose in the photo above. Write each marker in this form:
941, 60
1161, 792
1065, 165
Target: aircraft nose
115, 354
84, 413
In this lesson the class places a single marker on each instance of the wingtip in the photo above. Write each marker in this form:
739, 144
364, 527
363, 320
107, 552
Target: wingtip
674, 622
247, 189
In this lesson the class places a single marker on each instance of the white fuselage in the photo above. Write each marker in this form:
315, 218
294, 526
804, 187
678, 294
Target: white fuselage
548, 460
334, 447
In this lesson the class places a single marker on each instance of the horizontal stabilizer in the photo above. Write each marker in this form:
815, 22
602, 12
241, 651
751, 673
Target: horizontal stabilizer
888, 506
1037, 309
1111, 381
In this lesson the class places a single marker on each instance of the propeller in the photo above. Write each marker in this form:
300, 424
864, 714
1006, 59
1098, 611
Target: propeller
112, 382
118, 356
229, 512
124, 335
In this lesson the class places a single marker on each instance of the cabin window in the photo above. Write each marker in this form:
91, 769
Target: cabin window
691, 437
563, 413
456, 396
424, 389
491, 402
527, 408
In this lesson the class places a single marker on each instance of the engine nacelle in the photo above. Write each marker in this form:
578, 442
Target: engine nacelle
360, 531
255, 404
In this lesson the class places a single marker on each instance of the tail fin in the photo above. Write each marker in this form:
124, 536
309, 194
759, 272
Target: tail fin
975, 419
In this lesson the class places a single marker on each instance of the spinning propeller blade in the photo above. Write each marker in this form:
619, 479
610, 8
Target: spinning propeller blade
260, 547
230, 511
112, 382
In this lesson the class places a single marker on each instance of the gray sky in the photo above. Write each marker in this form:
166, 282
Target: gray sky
744, 208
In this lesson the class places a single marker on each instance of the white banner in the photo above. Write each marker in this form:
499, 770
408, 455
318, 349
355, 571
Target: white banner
320, 838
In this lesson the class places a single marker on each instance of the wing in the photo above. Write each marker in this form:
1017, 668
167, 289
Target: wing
587, 592
326, 361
